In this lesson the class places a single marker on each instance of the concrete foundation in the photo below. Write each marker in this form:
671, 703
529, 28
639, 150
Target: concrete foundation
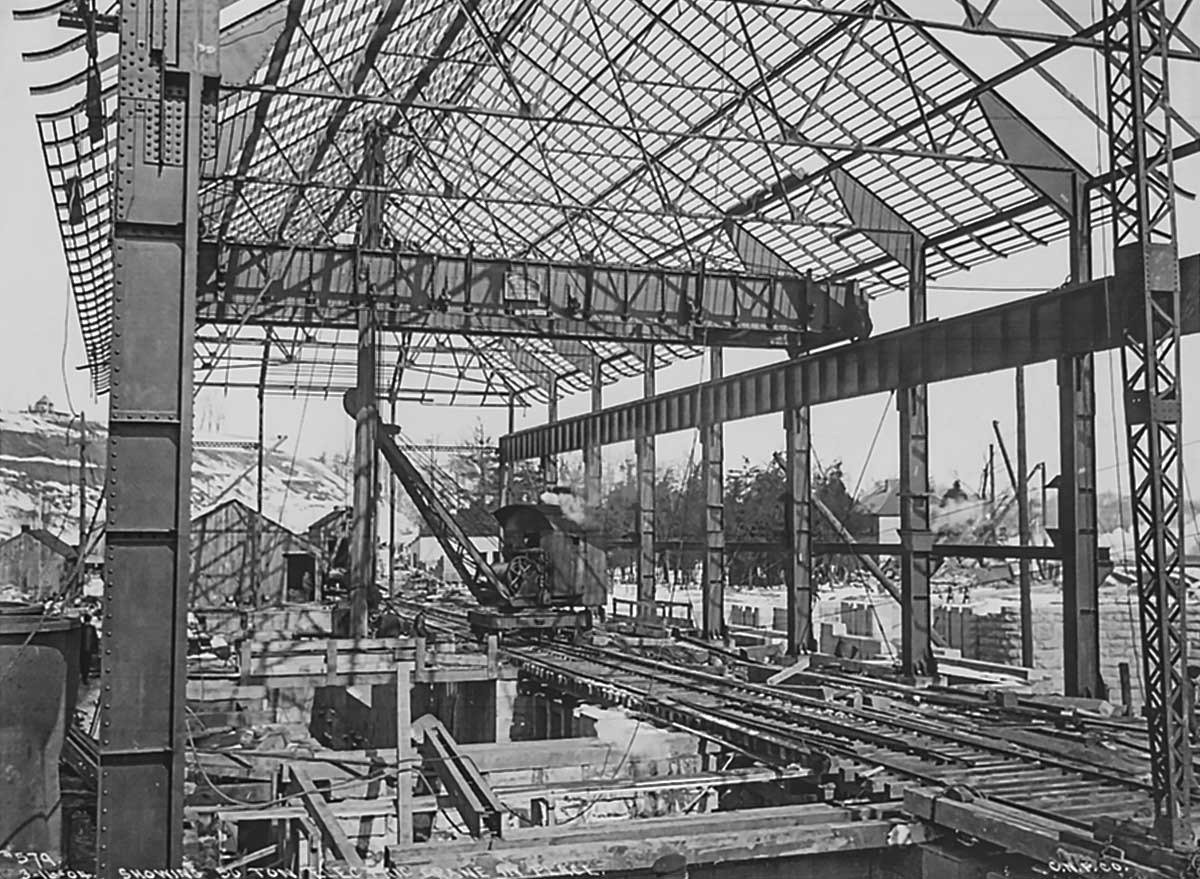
475, 712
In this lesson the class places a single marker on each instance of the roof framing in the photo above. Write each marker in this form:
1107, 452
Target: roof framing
626, 132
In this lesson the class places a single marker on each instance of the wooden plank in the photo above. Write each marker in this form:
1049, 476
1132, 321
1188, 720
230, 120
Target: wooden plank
332, 832
1015, 831
212, 689
638, 851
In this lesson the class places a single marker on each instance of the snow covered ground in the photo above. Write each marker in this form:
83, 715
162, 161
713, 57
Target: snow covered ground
39, 475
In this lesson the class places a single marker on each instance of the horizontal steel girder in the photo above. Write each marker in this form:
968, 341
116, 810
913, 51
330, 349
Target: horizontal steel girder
302, 286
1077, 319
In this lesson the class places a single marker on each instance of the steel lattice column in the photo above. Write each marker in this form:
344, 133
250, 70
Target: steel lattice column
167, 90
644, 449
1147, 271
712, 446
366, 457
797, 520
915, 537
1077, 489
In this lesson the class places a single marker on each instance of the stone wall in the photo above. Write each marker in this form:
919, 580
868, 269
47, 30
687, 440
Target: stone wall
992, 633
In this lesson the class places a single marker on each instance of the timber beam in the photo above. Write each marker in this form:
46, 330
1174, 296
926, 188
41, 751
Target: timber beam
469, 295
1076, 319
751, 836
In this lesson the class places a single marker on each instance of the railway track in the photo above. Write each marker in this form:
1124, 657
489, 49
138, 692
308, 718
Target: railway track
877, 739
881, 748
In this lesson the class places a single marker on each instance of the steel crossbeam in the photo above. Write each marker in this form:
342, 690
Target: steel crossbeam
1137, 39
1075, 319
314, 286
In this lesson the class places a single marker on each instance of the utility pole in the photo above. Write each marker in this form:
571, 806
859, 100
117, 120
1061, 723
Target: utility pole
82, 443
392, 515
362, 542
256, 561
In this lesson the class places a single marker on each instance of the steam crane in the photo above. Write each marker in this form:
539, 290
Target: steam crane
550, 577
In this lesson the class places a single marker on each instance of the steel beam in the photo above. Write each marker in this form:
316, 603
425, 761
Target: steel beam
1076, 319
644, 450
798, 522
166, 115
366, 457
1077, 490
470, 295
712, 450
916, 539
1137, 37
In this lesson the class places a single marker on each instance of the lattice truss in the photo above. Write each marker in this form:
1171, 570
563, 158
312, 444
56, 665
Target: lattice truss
623, 131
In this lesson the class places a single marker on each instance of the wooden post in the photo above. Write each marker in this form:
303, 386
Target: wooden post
404, 818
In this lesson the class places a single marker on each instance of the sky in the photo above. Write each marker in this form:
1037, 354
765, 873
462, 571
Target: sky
41, 349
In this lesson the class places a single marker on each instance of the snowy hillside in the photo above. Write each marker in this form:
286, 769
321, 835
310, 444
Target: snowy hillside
39, 475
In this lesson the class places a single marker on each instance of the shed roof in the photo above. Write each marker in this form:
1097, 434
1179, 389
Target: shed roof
44, 537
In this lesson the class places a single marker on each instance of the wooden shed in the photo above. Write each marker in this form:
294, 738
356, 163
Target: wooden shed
36, 563
239, 559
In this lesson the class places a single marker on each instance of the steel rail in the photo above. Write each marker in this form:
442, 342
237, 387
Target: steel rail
714, 683
782, 730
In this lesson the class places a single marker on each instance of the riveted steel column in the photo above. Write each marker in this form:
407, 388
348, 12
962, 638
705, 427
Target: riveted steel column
644, 450
593, 461
166, 124
1077, 490
916, 652
550, 462
797, 520
366, 456
712, 444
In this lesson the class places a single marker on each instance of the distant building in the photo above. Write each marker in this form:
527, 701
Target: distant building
239, 559
331, 536
35, 563
883, 505
44, 406
480, 527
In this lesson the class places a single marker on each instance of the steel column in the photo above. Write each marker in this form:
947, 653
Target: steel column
549, 462
644, 449
362, 539
1024, 574
593, 460
1077, 489
166, 113
1146, 265
916, 539
712, 445
801, 637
